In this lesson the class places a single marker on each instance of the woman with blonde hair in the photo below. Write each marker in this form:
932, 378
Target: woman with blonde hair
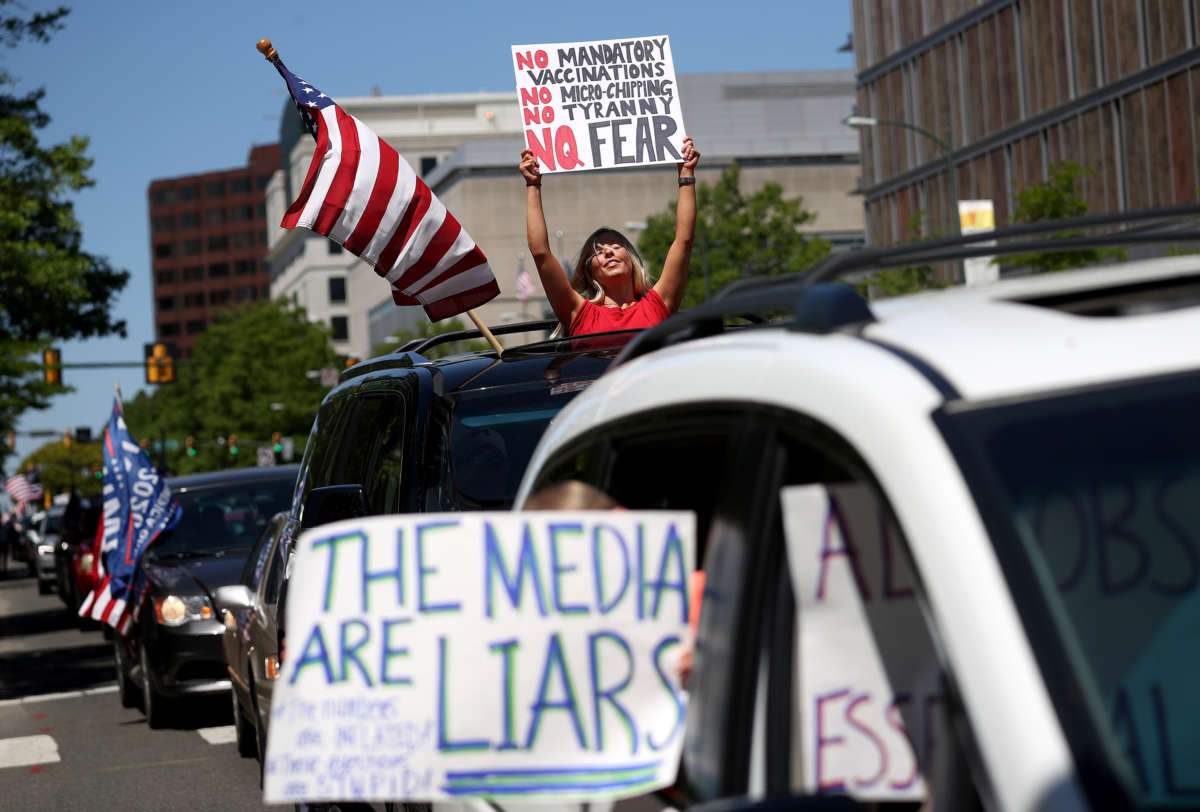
611, 288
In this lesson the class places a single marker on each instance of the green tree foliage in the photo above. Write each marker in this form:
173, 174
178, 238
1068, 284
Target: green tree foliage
246, 361
59, 467
900, 281
428, 329
1055, 199
737, 236
50, 289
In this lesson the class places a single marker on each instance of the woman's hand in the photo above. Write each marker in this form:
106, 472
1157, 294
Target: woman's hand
691, 157
531, 170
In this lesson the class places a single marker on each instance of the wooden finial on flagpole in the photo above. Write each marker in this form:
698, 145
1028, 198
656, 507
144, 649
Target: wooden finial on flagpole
486, 332
265, 48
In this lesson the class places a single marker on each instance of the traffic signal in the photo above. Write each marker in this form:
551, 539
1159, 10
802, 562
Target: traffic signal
67, 438
160, 362
190, 443
232, 444
278, 446
97, 472
52, 366
12, 439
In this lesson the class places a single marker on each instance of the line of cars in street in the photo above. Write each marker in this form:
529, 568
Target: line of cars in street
1027, 454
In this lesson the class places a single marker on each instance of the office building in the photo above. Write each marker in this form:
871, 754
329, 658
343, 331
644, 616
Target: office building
208, 233
1006, 89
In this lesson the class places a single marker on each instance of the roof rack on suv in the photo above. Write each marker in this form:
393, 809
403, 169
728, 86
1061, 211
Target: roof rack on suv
411, 352
816, 304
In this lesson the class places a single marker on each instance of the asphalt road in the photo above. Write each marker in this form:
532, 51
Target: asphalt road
66, 742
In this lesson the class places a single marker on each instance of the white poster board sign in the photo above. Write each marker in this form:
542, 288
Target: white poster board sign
511, 656
974, 217
600, 104
870, 704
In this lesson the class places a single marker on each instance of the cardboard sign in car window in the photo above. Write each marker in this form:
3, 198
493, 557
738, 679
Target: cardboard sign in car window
601, 104
871, 712
498, 655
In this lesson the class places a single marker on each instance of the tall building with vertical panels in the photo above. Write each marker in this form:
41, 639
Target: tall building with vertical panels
207, 238
1014, 87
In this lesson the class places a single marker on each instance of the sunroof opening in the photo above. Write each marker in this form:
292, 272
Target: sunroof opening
1155, 296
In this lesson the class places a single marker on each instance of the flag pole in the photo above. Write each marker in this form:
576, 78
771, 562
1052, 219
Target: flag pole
486, 332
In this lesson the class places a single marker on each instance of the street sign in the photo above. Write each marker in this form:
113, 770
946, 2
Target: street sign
266, 456
329, 376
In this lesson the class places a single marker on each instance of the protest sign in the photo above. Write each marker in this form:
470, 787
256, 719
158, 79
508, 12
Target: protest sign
601, 104
485, 654
871, 712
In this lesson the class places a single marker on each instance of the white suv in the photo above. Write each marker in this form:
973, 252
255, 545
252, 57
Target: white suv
1033, 446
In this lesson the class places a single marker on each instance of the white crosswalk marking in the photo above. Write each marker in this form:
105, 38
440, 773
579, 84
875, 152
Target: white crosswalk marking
25, 750
226, 734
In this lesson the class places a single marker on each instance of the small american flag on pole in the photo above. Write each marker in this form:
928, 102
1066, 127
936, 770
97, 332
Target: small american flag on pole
525, 288
21, 490
362, 194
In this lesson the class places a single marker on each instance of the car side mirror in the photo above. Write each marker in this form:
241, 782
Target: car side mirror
233, 597
332, 503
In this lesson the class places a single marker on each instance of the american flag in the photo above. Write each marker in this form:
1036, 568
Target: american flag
362, 194
21, 489
525, 288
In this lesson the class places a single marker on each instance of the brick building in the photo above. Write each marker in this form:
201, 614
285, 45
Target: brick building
207, 238
1016, 86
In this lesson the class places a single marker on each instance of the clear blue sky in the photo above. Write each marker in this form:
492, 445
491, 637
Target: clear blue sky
166, 88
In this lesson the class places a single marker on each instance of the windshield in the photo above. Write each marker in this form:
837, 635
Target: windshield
53, 525
491, 439
225, 516
1100, 491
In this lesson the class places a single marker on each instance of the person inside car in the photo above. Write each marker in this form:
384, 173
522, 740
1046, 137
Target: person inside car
611, 289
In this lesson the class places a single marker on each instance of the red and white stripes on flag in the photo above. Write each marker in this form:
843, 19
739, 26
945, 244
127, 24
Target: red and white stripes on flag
362, 194
20, 489
525, 288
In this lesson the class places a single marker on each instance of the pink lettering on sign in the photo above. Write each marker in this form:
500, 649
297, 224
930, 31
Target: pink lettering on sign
557, 151
537, 59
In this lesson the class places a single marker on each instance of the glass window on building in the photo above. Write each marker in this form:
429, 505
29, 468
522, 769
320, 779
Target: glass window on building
243, 239
241, 213
337, 290
189, 219
246, 293
262, 181
334, 248
191, 247
428, 162
164, 223
193, 300
218, 242
214, 217
166, 302
219, 297
169, 329
161, 197
244, 267
239, 186
164, 249
166, 277
218, 270
196, 326
214, 188
187, 193
339, 327
193, 273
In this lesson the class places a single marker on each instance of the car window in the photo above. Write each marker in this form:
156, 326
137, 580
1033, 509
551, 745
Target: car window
257, 561
1092, 499
226, 515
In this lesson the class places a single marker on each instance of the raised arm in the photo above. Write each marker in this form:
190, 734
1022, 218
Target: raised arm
673, 281
564, 300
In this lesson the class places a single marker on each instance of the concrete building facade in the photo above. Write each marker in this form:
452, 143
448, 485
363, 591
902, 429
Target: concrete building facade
779, 126
1015, 87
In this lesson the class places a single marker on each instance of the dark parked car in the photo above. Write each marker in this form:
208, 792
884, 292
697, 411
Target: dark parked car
173, 650
249, 643
406, 434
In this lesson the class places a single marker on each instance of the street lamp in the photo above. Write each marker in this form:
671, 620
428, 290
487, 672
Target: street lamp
863, 122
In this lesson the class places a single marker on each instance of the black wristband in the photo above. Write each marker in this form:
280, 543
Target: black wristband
688, 181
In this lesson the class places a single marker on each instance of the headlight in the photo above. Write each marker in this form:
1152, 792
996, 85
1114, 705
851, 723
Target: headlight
45, 549
175, 610
86, 561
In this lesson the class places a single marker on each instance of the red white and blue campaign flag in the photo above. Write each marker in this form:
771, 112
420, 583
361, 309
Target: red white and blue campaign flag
138, 505
360, 193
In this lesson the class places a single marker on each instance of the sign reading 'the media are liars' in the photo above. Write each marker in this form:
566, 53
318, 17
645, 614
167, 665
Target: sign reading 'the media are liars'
601, 104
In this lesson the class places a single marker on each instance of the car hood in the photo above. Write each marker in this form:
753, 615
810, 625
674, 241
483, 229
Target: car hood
195, 575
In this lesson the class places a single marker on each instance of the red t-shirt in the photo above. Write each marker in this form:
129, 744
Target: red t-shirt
646, 312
